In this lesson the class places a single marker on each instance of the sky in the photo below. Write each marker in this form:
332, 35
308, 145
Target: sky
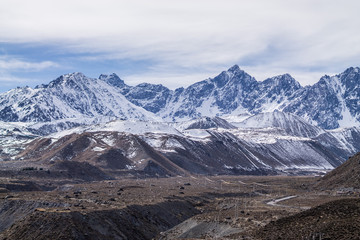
176, 42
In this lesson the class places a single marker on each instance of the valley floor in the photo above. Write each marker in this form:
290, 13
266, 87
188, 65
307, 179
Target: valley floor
196, 207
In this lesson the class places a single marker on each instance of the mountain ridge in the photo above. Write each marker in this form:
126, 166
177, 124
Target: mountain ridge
279, 143
332, 102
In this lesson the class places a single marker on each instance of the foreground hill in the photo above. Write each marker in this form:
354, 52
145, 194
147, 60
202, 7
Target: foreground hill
334, 220
346, 175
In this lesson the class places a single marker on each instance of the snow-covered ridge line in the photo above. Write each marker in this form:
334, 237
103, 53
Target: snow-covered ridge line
329, 104
71, 96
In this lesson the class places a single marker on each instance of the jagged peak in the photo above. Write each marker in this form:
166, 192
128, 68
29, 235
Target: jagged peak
323, 80
112, 79
236, 71
283, 79
106, 76
75, 76
103, 76
179, 90
150, 85
352, 70
344, 76
234, 68
351, 74
233, 74
285, 76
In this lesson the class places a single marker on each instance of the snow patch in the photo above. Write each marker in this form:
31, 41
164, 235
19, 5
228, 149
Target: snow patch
173, 143
98, 149
199, 134
109, 140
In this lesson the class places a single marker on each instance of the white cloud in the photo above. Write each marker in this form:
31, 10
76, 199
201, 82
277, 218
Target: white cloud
13, 64
263, 36
10, 65
8, 79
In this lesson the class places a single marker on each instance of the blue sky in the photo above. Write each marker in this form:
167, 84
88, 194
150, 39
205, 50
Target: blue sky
32, 64
175, 43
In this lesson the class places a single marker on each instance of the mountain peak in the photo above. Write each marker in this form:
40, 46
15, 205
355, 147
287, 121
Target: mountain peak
112, 79
287, 75
352, 70
236, 71
73, 77
234, 68
103, 76
106, 76
234, 75
284, 80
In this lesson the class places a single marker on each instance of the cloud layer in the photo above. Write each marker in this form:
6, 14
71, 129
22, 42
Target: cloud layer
8, 63
188, 39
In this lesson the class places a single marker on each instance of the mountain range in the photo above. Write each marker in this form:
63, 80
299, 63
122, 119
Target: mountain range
331, 103
229, 124
280, 143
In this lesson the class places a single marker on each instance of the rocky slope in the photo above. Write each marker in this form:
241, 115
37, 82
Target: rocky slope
333, 220
291, 124
196, 147
346, 175
43, 223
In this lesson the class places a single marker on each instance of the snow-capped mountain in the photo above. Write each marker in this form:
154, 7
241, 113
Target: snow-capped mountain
71, 96
230, 93
223, 94
13, 138
224, 125
330, 103
152, 97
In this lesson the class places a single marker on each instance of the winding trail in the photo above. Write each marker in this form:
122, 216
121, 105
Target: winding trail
275, 202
